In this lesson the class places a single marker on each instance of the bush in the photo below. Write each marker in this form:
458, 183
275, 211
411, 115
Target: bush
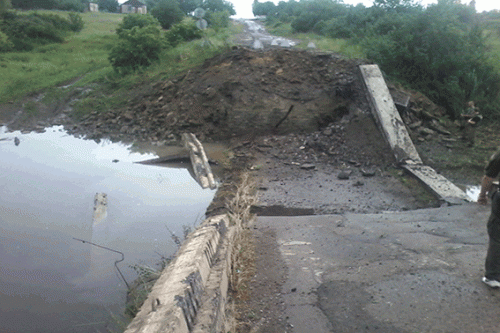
76, 23
305, 22
136, 20
438, 54
218, 20
27, 31
31, 29
182, 32
71, 5
109, 6
338, 28
168, 13
5, 44
137, 47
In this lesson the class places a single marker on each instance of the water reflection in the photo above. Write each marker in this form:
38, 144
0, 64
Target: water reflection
52, 283
473, 192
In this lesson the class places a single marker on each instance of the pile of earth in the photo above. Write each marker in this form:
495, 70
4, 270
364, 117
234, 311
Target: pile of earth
316, 99
242, 93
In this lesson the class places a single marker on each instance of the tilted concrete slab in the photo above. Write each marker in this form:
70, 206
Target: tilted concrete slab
396, 134
438, 184
387, 116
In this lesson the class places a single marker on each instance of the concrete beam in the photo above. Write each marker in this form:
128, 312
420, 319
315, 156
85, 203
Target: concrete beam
396, 134
387, 116
176, 298
438, 184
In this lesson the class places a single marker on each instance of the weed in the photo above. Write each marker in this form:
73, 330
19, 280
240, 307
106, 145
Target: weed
239, 206
30, 108
20, 58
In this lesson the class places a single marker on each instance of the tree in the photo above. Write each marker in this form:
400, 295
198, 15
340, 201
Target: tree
441, 55
137, 47
4, 5
168, 13
396, 5
30, 4
218, 6
108, 5
188, 6
264, 8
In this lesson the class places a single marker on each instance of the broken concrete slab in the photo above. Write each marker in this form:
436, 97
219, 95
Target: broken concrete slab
438, 184
396, 134
386, 115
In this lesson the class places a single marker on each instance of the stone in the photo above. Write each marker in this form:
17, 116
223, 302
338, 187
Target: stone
328, 132
308, 166
359, 183
426, 131
368, 173
344, 175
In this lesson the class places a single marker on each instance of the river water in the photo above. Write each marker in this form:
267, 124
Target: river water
50, 281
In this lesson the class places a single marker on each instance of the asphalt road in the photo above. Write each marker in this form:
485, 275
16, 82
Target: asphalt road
413, 271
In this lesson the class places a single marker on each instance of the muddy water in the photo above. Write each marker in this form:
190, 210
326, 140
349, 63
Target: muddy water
50, 282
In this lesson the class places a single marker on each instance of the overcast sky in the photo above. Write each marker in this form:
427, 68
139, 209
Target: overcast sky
243, 8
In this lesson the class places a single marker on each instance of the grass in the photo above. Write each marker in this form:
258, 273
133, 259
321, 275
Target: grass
82, 60
115, 90
51, 65
322, 43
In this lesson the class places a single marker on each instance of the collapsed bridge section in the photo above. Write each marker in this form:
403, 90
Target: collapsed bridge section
394, 131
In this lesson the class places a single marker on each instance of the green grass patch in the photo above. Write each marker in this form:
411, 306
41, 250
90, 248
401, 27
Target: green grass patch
54, 64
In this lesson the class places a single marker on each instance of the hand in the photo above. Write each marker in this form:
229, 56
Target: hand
482, 200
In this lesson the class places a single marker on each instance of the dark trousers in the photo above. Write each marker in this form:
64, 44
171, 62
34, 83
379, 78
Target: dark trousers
492, 264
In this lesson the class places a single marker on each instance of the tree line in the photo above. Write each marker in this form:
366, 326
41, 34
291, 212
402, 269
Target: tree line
440, 50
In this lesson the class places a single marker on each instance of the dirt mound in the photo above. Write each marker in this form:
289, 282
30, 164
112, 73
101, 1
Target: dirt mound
240, 93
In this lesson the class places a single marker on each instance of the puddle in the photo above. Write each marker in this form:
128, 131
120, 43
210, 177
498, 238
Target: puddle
54, 283
261, 37
473, 192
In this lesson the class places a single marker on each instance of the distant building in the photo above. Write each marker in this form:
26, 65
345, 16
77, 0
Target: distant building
133, 6
93, 7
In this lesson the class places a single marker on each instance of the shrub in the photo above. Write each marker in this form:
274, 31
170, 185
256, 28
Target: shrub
71, 5
182, 32
168, 13
109, 6
136, 20
76, 23
338, 28
438, 54
27, 31
5, 44
218, 20
305, 22
137, 47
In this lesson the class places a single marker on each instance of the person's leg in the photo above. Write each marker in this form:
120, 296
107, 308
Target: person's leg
492, 263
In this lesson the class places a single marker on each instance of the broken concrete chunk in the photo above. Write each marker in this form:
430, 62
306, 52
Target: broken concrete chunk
343, 175
438, 128
426, 131
368, 173
308, 166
